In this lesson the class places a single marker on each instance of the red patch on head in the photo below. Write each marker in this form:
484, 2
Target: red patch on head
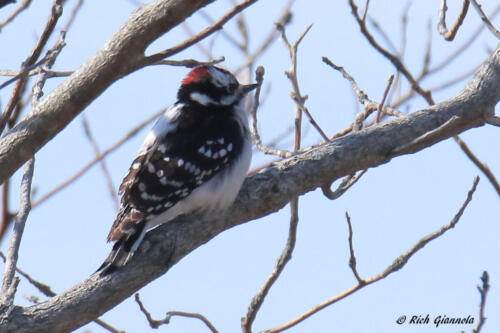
196, 75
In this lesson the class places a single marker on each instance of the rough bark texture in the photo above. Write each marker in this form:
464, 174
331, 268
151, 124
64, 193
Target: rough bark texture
264, 193
120, 56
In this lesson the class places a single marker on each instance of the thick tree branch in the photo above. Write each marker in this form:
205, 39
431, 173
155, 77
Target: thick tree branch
262, 194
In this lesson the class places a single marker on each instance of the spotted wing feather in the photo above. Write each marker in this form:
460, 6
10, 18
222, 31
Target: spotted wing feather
169, 170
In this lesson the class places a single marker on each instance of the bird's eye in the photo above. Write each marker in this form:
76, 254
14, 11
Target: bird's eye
233, 87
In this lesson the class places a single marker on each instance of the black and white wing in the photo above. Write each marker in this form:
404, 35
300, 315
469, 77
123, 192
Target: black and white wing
179, 170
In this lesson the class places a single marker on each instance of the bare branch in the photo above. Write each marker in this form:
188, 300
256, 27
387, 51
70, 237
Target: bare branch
7, 216
157, 323
365, 11
426, 94
483, 167
283, 20
443, 30
483, 291
346, 184
190, 63
297, 97
56, 12
43, 288
35, 71
397, 265
382, 102
383, 34
463, 47
370, 106
259, 77
195, 39
23, 6
50, 59
286, 255
392, 58
72, 17
9, 285
485, 19
104, 167
352, 258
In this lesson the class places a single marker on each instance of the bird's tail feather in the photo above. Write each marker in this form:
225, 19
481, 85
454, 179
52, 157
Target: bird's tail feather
123, 250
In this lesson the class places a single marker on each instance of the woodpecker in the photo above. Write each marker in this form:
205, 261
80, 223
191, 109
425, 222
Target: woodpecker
195, 158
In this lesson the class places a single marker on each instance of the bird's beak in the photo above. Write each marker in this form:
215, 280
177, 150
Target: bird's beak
246, 88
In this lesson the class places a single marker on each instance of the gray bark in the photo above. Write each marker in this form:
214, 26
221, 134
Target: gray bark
262, 193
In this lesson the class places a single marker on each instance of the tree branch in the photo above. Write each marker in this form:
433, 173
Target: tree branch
262, 194
10, 282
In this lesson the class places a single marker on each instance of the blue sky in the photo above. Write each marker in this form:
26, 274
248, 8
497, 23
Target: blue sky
391, 207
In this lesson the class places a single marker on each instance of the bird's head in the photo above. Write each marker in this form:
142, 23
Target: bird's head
210, 85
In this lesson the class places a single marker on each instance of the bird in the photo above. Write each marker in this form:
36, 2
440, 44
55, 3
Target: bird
194, 159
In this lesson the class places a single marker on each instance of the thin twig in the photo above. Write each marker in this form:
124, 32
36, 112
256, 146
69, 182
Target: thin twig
427, 55
370, 106
50, 57
286, 255
464, 46
107, 326
9, 285
198, 37
395, 266
30, 60
157, 323
102, 155
425, 72
296, 95
104, 167
483, 167
72, 17
7, 216
284, 20
426, 94
346, 184
485, 19
443, 30
43, 288
383, 34
190, 63
483, 291
199, 45
382, 102
259, 77
23, 6
225, 34
352, 258
365, 11
36, 71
